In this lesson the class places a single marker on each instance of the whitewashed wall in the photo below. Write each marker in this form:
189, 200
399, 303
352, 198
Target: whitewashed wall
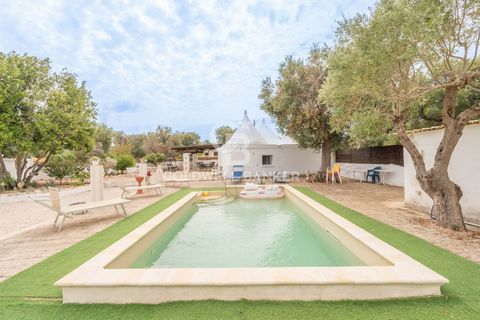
10, 165
394, 177
285, 158
464, 170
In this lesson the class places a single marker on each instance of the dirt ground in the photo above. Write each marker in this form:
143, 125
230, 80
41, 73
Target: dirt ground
27, 235
385, 204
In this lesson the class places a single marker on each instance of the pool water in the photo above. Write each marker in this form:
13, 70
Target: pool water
246, 233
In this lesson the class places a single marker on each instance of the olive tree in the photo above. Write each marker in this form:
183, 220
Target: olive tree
223, 133
42, 113
293, 101
386, 62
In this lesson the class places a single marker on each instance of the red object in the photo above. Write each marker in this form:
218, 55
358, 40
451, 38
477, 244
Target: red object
139, 180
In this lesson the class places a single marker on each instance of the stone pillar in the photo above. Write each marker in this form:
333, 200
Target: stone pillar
96, 180
142, 170
186, 163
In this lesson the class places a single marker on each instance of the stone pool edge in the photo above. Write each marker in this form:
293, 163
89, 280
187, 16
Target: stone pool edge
402, 276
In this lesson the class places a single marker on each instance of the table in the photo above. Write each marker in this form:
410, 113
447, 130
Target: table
383, 174
363, 175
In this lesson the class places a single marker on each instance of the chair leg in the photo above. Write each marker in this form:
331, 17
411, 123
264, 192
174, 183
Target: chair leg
56, 219
124, 211
60, 227
116, 209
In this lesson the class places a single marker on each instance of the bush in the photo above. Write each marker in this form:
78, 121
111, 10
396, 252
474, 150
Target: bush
155, 158
62, 165
124, 161
8, 182
109, 164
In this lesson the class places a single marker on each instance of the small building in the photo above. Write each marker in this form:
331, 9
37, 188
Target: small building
201, 156
464, 169
259, 150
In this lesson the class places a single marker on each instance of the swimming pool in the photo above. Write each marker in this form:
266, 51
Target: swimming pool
246, 233
286, 249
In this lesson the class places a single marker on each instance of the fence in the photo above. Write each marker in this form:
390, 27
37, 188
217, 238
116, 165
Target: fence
377, 155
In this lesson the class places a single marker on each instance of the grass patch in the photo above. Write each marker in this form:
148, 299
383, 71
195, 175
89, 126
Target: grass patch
31, 295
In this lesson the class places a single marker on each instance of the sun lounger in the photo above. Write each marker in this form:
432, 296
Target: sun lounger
161, 177
81, 208
128, 190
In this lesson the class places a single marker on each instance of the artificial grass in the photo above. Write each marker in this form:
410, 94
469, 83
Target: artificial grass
31, 295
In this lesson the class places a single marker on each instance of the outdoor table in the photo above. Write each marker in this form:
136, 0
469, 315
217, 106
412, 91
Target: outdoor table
363, 175
383, 175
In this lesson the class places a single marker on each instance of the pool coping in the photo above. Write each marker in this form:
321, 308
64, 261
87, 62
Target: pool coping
92, 282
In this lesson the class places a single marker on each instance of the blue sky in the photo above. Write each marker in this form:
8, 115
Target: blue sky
191, 65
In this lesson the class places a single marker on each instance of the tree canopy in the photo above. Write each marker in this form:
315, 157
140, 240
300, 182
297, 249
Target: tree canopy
224, 133
404, 64
42, 112
293, 101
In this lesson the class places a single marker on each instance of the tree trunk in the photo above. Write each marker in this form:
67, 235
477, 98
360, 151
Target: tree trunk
446, 202
20, 163
326, 155
435, 182
36, 167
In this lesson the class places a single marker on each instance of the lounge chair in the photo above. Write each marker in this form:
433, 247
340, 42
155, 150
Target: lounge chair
237, 173
81, 208
333, 173
374, 174
281, 176
129, 189
161, 176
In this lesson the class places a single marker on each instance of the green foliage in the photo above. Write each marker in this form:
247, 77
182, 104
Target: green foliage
62, 165
224, 133
42, 113
124, 161
103, 140
7, 181
163, 134
181, 138
153, 144
397, 60
292, 100
155, 158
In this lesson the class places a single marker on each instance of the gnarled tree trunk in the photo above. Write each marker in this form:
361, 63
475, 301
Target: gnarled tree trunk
436, 182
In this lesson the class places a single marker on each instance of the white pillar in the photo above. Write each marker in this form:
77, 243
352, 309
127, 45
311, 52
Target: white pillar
142, 170
96, 180
186, 162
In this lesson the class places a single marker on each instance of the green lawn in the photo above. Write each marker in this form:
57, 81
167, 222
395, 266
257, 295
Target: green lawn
31, 295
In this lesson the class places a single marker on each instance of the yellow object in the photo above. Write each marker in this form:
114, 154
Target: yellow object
336, 168
331, 173
205, 193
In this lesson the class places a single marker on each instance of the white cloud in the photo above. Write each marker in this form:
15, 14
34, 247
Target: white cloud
187, 64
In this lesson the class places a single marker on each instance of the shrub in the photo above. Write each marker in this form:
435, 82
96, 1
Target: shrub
155, 158
62, 165
109, 164
124, 161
